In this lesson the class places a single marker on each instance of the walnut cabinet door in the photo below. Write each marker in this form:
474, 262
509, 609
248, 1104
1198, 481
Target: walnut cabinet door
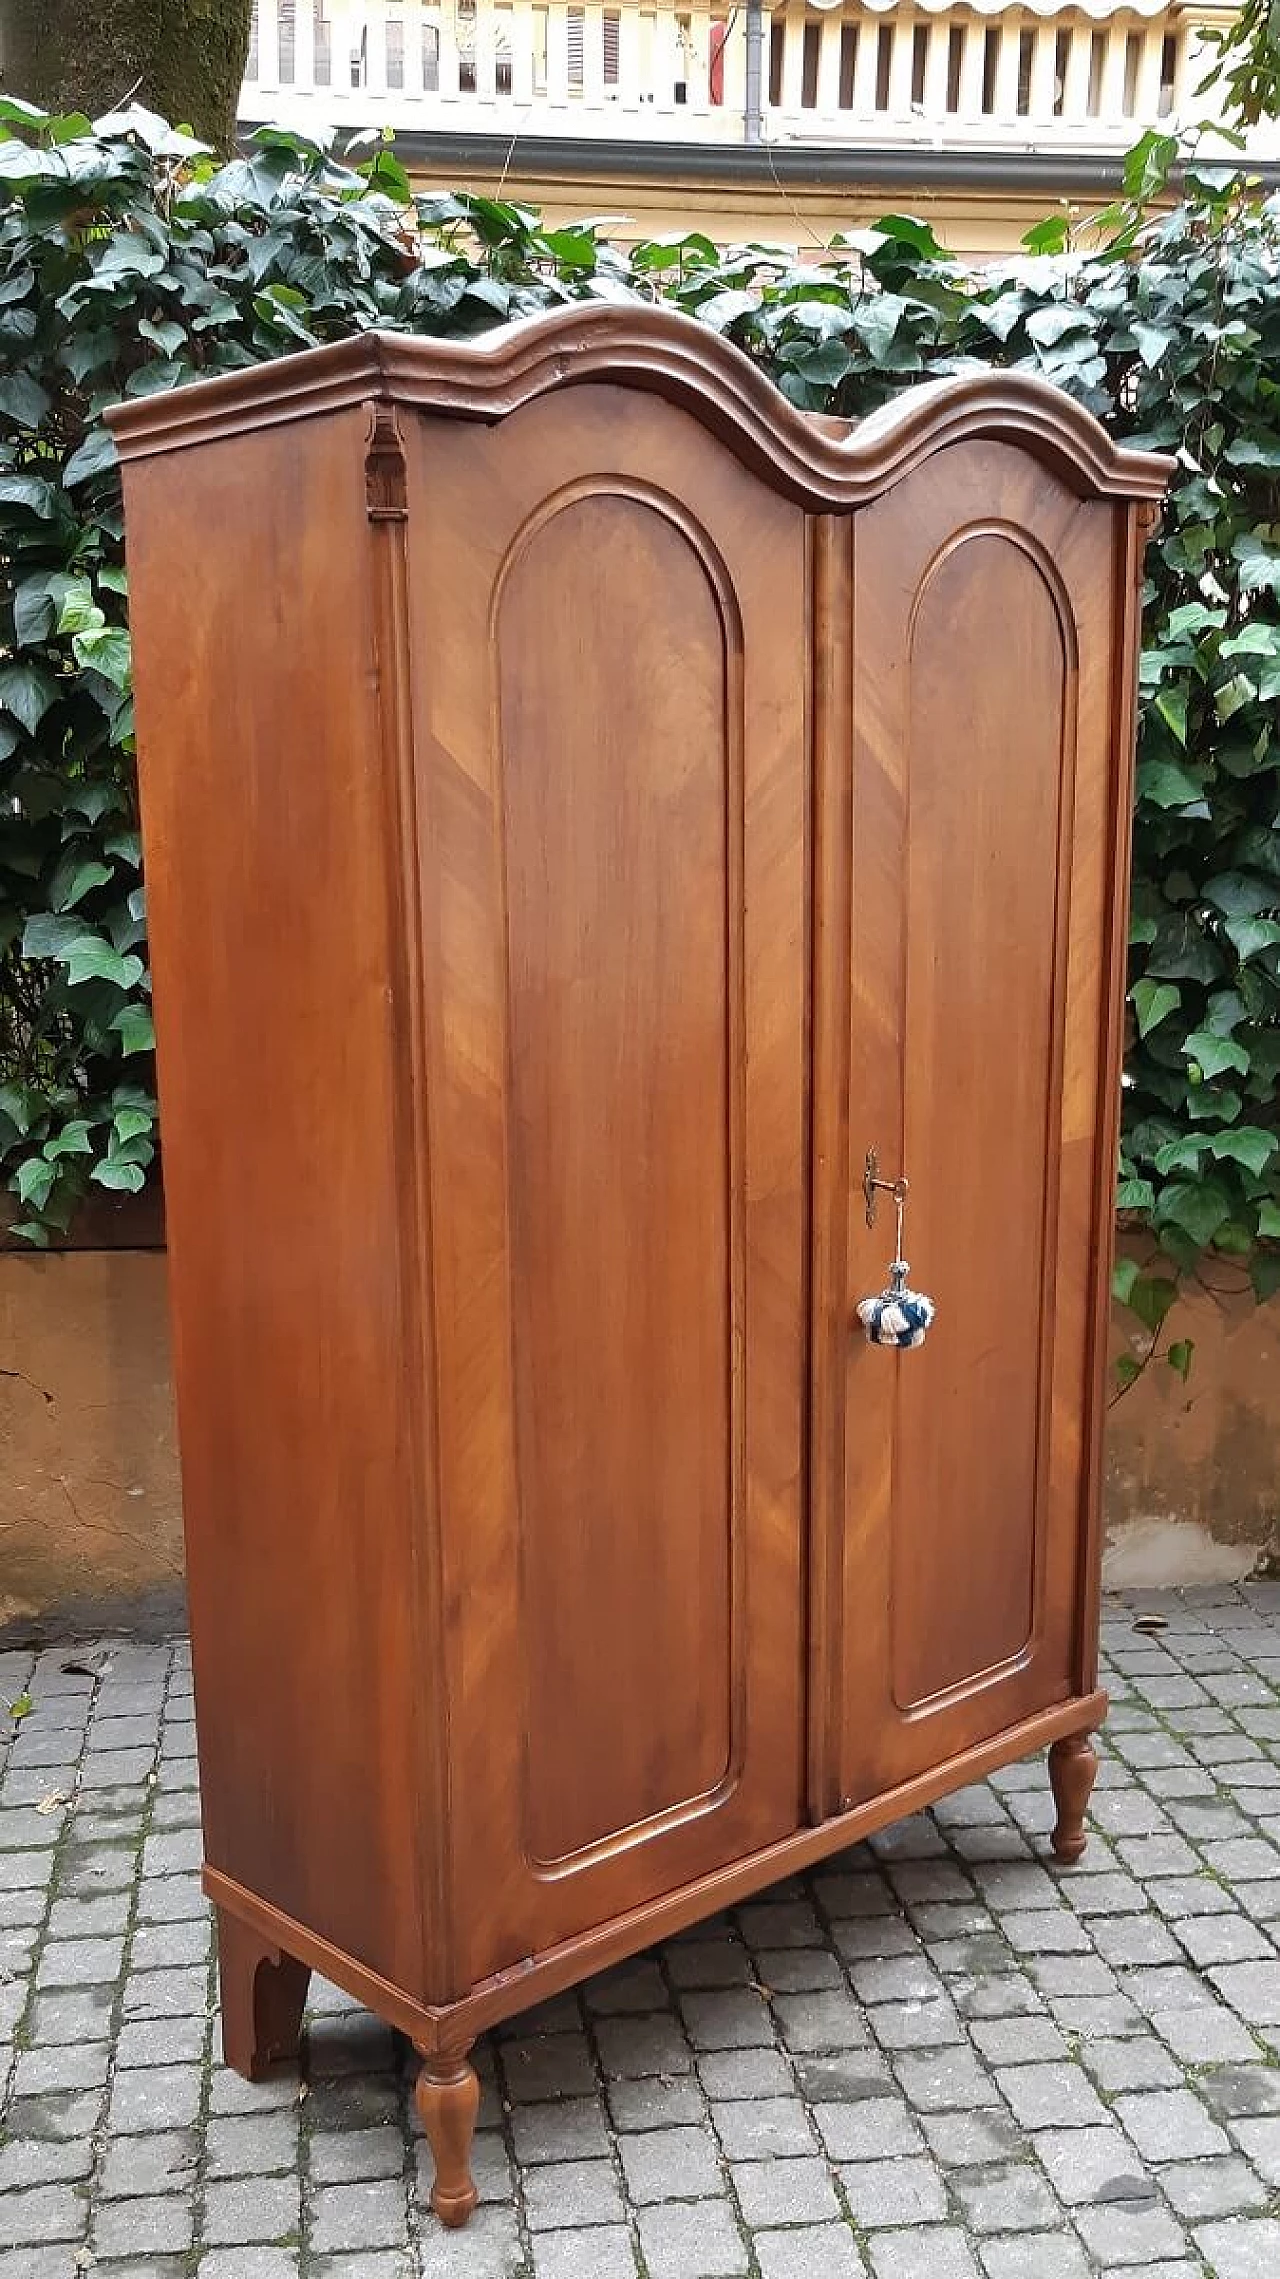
972, 929
608, 626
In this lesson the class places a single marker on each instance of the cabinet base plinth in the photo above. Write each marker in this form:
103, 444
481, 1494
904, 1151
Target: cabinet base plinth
264, 1993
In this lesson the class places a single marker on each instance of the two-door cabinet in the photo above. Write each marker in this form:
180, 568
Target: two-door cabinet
591, 808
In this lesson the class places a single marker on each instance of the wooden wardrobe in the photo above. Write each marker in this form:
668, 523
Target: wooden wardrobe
589, 805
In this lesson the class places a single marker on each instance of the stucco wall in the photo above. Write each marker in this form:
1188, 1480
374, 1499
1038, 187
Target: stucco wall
90, 1519
90, 1512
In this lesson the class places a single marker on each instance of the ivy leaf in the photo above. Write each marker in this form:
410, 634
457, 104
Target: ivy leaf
32, 610
95, 456
126, 1178
131, 1123
1247, 1144
74, 878
27, 691
35, 1180
1171, 707
1214, 1054
23, 400
1250, 935
73, 1139
1199, 1208
30, 492
1179, 1356
106, 649
1153, 1001
1154, 343
133, 1026
1124, 1274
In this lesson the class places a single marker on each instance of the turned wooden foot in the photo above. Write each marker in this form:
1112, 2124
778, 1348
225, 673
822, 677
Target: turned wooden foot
1073, 1767
448, 2099
264, 1993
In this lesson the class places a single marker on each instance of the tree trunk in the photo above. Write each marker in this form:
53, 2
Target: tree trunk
183, 58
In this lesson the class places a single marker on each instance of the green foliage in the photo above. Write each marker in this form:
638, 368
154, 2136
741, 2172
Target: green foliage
129, 262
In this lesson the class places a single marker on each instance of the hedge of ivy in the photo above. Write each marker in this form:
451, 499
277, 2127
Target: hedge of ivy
129, 262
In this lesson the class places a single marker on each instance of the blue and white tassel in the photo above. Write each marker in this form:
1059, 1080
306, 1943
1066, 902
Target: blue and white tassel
896, 1315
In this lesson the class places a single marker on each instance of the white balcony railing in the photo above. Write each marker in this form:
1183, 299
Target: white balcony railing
1048, 76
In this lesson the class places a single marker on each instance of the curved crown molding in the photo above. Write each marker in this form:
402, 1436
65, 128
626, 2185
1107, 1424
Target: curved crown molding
821, 463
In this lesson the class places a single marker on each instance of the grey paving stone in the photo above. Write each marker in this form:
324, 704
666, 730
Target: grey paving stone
1037, 2255
144, 2100
250, 2208
708, 1963
932, 2254
735, 2018
574, 2129
43, 2160
1011, 2199
1096, 2165
656, 2101
1260, 2140
249, 2263
784, 2192
55, 2263
45, 2212
548, 2065
821, 2022
1198, 2189
870, 2128
697, 2242
1121, 2233
1019, 2041
759, 2128
1252, 1989
64, 2065
972, 2140
808, 2251
942, 2081
671, 2164
1241, 2089
384, 2263
1242, 2248
372, 2214
633, 2047
489, 2248
883, 2193
1206, 2037
916, 2025
1170, 2124
744, 2073
606, 2253
565, 2194
138, 2167
164, 2225
1134, 2061
1050, 2096
342, 2156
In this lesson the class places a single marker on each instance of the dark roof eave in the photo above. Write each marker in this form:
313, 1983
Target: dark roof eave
1050, 174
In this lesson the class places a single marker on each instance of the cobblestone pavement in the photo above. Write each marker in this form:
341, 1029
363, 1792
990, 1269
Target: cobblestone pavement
935, 2058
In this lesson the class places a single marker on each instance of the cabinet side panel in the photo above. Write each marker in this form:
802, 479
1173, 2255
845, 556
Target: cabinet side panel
267, 848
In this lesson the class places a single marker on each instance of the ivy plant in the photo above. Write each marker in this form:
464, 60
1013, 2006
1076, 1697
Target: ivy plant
130, 261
